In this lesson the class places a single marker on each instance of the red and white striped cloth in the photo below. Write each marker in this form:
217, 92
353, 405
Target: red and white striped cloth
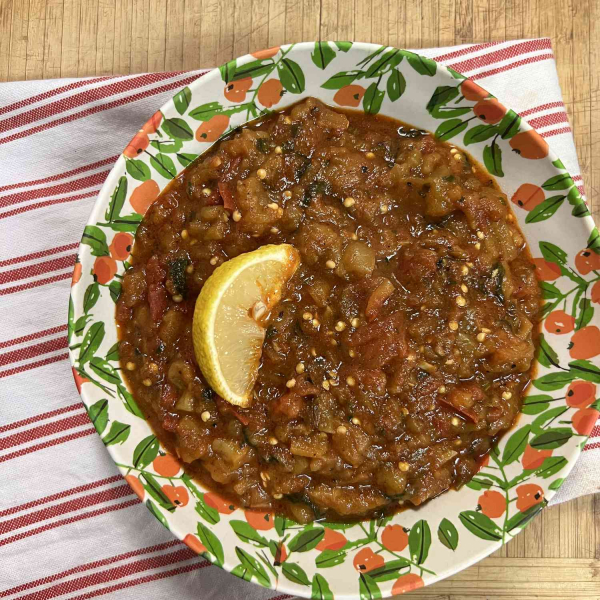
70, 527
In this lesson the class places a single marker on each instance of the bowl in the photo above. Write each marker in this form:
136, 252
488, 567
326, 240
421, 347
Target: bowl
415, 547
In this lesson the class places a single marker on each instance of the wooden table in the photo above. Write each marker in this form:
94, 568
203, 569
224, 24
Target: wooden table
558, 555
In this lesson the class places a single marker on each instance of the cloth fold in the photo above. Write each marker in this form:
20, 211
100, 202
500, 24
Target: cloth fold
63, 504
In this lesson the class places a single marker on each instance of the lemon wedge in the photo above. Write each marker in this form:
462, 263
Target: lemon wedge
228, 328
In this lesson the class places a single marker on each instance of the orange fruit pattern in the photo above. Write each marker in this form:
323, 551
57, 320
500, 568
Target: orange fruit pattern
270, 92
530, 144
137, 145
559, 322
349, 95
490, 111
332, 540
366, 560
407, 583
220, 504
580, 394
166, 465
528, 196
143, 196
587, 261
236, 90
545, 270
120, 247
529, 495
105, 268
533, 459
213, 129
585, 343
261, 521
471, 91
394, 538
492, 503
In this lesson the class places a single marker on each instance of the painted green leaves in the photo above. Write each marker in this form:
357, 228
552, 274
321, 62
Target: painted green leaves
95, 238
291, 76
419, 542
481, 526
448, 534
322, 55
377, 75
448, 103
182, 100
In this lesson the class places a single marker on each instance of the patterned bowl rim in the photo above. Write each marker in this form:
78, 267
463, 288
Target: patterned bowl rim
210, 85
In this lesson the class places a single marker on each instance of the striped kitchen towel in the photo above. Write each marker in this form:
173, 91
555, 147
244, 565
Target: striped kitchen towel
70, 527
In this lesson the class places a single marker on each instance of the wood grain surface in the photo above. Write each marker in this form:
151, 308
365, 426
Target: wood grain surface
558, 555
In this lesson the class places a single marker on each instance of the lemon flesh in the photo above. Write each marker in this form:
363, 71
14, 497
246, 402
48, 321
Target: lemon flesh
228, 329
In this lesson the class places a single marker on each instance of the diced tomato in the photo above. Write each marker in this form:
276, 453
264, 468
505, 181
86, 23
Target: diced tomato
156, 270
227, 196
157, 299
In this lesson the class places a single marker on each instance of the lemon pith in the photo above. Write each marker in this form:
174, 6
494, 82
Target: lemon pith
227, 338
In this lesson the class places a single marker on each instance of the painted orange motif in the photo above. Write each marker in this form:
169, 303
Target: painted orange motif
193, 543
332, 540
137, 145
559, 322
473, 92
585, 343
120, 247
280, 554
366, 560
270, 92
261, 521
76, 273
595, 293
587, 261
529, 495
533, 459
580, 394
143, 196
178, 495
153, 123
407, 583
349, 95
546, 270
136, 485
528, 196
105, 268
79, 380
490, 111
268, 53
584, 420
236, 90
166, 465
492, 503
220, 504
529, 144
394, 538
213, 129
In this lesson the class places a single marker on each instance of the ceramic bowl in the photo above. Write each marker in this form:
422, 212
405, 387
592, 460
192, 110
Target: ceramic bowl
414, 548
